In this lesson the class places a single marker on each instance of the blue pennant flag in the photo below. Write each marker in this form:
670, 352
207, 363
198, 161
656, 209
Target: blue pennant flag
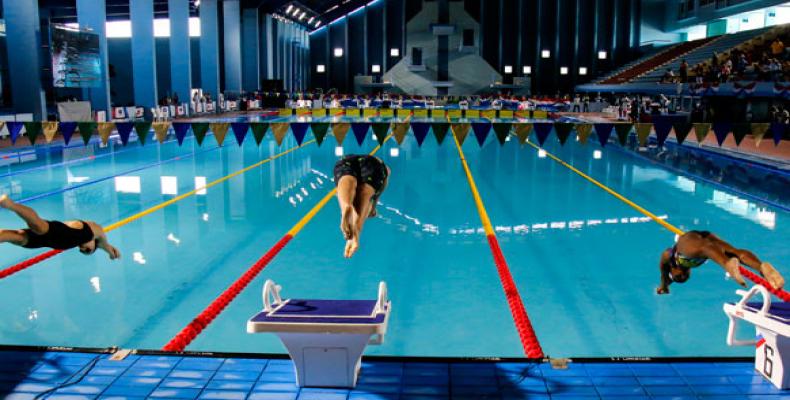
420, 130
542, 130
604, 131
663, 127
721, 129
778, 130
360, 130
124, 130
181, 129
67, 130
240, 131
300, 130
14, 128
481, 130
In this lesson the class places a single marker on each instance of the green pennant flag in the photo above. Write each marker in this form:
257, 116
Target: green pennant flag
220, 130
739, 131
319, 131
583, 132
86, 131
563, 130
340, 130
701, 131
440, 130
143, 128
380, 130
643, 132
461, 131
758, 131
623, 130
682, 130
259, 131
280, 129
33, 130
522, 131
199, 129
400, 130
502, 130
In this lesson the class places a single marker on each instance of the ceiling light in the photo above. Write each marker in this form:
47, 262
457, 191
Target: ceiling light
563, 70
290, 7
527, 69
602, 55
545, 54
296, 11
376, 68
320, 68
394, 52
582, 70
338, 52
310, 21
508, 69
317, 24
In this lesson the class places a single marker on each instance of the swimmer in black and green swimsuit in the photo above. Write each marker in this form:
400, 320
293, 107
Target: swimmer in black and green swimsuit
85, 235
360, 180
694, 248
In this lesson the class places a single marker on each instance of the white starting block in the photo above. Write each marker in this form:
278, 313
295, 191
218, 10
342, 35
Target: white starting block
325, 338
772, 321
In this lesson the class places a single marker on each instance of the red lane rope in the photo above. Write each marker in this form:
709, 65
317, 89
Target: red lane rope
780, 293
194, 328
28, 263
529, 340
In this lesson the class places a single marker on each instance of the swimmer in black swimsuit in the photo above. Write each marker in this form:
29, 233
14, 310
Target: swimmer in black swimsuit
86, 235
360, 180
694, 248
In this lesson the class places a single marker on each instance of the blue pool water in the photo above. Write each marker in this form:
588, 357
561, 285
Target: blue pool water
586, 264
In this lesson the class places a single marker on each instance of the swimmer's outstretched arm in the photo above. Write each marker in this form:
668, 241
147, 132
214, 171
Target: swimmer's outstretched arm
102, 242
663, 266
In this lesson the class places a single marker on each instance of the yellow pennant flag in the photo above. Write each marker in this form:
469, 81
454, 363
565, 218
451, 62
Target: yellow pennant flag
461, 131
583, 132
399, 131
105, 129
340, 130
701, 131
758, 131
160, 130
50, 129
220, 129
643, 132
280, 129
522, 132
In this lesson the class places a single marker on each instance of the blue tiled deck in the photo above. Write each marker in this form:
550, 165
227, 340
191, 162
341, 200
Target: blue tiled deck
26, 375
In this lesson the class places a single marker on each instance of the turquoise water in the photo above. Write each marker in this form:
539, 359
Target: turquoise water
585, 263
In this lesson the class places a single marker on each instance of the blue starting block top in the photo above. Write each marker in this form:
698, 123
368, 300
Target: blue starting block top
779, 311
300, 311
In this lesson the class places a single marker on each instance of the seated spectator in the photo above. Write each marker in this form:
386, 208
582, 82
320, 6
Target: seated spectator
777, 48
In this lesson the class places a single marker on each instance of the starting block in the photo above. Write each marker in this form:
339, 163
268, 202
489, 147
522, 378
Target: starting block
325, 338
772, 322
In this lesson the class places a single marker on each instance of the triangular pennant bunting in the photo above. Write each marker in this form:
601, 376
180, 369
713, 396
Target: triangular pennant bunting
240, 131
721, 129
542, 130
299, 130
142, 129
583, 132
105, 130
319, 131
124, 131
663, 127
502, 131
279, 129
380, 130
604, 131
778, 131
360, 130
643, 132
199, 129
460, 130
160, 130
481, 131
522, 131
563, 130
220, 130
758, 132
67, 130
400, 130
623, 130
86, 131
682, 130
33, 130
340, 130
739, 131
181, 129
50, 128
13, 129
701, 130
440, 131
420, 130
259, 131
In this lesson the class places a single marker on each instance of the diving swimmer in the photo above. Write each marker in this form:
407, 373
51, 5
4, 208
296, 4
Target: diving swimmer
694, 248
85, 235
360, 180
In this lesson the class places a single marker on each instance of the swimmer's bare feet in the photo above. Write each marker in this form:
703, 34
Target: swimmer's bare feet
772, 276
733, 268
5, 202
347, 222
352, 245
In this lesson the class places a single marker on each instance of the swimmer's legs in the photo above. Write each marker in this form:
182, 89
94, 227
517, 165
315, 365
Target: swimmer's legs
346, 194
749, 259
14, 237
362, 206
33, 221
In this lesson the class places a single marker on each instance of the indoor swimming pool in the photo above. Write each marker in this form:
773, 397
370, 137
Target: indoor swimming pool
585, 263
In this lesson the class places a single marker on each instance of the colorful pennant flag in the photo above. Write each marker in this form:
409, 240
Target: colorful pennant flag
33, 130
481, 130
124, 131
279, 129
86, 131
663, 127
142, 129
583, 132
220, 130
199, 129
181, 129
360, 130
440, 131
721, 129
778, 131
739, 131
50, 129
623, 130
460, 130
319, 131
604, 131
758, 132
420, 130
563, 130
502, 131
299, 130
240, 131
13, 129
543, 130
380, 130
643, 132
259, 131
160, 130
340, 130
399, 130
522, 131
105, 129
701, 131
682, 130
67, 130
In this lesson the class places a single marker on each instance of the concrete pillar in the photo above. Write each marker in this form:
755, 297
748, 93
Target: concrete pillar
180, 53
92, 14
251, 50
143, 53
209, 48
231, 17
23, 38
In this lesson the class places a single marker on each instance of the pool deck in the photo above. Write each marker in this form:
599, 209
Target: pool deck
82, 375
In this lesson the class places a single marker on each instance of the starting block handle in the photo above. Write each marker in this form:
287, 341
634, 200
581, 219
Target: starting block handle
271, 291
747, 295
381, 302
